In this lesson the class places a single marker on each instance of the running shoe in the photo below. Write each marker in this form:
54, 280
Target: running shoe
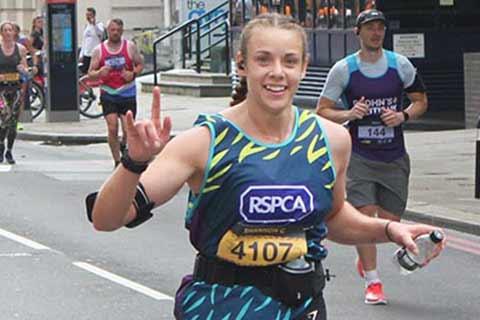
9, 157
374, 294
360, 270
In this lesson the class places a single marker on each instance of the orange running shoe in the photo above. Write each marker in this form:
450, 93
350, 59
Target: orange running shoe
374, 294
360, 270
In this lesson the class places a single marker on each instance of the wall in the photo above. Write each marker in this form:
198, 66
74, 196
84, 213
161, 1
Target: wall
20, 11
135, 13
471, 63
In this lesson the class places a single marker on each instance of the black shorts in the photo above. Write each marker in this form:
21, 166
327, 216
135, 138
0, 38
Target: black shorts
118, 107
85, 64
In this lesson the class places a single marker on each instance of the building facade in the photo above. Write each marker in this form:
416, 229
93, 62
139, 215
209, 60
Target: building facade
137, 15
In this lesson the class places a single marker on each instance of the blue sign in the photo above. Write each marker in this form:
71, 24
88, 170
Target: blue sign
195, 8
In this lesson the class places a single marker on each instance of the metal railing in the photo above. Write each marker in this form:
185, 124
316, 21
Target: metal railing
193, 29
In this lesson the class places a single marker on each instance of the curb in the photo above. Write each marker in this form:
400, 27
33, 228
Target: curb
67, 138
449, 223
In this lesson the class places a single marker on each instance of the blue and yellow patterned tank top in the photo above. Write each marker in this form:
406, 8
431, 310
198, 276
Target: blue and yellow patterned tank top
263, 204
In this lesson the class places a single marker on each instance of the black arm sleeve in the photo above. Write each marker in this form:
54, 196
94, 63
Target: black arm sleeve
142, 205
89, 202
417, 86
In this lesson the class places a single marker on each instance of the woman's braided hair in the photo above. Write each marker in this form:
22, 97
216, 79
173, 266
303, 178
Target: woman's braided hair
264, 21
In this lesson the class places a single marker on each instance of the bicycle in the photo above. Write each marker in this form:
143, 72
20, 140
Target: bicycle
36, 96
89, 93
89, 97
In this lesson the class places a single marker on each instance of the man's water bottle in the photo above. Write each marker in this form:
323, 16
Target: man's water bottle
408, 262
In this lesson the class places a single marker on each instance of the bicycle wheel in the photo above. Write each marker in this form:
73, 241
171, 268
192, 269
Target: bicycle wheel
37, 99
89, 97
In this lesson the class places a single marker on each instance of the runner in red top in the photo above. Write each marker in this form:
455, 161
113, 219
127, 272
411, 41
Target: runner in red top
116, 62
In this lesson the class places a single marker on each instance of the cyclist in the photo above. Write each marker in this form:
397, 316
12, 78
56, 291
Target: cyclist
267, 186
12, 64
116, 62
372, 82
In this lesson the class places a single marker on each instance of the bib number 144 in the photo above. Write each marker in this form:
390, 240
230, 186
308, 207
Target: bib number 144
375, 132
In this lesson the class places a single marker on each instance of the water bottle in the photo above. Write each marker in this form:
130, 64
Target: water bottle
407, 262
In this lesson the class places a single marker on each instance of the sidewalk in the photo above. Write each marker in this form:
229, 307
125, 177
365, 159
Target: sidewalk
443, 162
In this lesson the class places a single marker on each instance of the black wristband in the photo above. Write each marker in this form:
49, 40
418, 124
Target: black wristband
406, 116
133, 166
387, 232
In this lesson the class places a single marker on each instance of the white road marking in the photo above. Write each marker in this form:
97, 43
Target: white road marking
22, 240
5, 168
71, 170
15, 254
122, 281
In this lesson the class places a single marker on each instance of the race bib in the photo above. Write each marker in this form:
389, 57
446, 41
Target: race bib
11, 77
260, 246
375, 132
115, 62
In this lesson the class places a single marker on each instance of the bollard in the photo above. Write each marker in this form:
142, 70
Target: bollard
477, 162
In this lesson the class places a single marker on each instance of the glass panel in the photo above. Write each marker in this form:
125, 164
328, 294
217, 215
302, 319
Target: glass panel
290, 8
321, 18
309, 13
337, 13
352, 9
237, 9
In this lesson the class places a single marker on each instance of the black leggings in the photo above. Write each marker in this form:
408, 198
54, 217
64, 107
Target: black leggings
9, 115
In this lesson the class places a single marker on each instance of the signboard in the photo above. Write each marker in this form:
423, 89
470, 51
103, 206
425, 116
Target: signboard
194, 8
62, 1
447, 2
61, 25
411, 45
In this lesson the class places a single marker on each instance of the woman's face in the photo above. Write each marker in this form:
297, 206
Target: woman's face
273, 67
39, 23
8, 32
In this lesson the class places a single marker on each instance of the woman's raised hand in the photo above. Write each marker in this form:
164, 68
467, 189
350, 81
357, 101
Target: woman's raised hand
146, 138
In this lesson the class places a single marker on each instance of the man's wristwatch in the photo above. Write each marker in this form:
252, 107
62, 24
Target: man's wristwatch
406, 116
133, 166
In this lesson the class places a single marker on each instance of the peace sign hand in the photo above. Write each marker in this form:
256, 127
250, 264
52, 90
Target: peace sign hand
146, 138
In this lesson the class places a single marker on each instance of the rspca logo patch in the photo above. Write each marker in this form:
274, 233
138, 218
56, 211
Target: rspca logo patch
275, 204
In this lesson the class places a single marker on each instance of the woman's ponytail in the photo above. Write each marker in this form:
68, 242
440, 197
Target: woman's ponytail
239, 92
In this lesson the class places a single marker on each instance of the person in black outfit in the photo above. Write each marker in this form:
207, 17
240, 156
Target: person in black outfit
37, 33
12, 63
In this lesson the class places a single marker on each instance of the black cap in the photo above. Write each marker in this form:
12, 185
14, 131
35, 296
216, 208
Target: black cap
436, 236
370, 15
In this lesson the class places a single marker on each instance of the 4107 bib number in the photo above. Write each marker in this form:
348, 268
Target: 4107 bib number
261, 250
